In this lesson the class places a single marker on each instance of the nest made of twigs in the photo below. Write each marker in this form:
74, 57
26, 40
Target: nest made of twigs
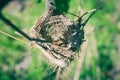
62, 37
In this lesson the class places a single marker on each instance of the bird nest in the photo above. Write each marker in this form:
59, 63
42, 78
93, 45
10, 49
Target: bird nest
61, 37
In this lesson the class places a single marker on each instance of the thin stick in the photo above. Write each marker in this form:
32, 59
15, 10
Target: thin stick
7, 21
58, 73
13, 26
92, 13
13, 37
50, 5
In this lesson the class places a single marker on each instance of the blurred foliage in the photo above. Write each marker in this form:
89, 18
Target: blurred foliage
13, 52
38, 1
62, 5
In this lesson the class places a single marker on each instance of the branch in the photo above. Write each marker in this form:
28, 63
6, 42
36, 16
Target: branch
92, 13
50, 5
7, 21
78, 22
58, 73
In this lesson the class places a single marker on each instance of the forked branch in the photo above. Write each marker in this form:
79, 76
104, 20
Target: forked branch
79, 21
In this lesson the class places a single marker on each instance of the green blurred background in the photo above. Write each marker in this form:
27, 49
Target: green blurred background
100, 55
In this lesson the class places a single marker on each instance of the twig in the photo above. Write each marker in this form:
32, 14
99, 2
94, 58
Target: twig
79, 21
7, 21
80, 61
50, 5
13, 37
58, 73
92, 13
73, 14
